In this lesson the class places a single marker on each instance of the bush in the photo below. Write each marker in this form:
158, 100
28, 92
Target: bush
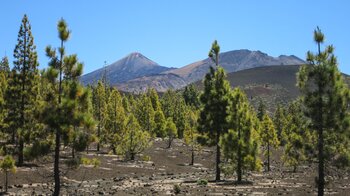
177, 189
146, 158
95, 162
73, 163
202, 182
343, 160
38, 149
8, 164
81, 141
85, 161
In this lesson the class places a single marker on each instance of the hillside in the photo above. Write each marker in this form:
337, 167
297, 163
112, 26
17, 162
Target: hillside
232, 61
273, 84
160, 82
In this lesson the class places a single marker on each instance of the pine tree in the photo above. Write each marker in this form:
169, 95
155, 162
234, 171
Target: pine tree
296, 135
168, 103
240, 145
212, 121
191, 132
171, 131
12, 106
63, 110
191, 96
279, 121
3, 112
4, 66
145, 114
100, 106
160, 124
79, 135
135, 140
326, 100
174, 107
261, 110
153, 95
26, 69
7, 165
268, 137
115, 120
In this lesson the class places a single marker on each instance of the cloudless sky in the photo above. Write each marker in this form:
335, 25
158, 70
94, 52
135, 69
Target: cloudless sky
175, 33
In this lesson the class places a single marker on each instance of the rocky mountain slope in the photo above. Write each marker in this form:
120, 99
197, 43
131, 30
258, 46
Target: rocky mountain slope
136, 72
133, 66
232, 61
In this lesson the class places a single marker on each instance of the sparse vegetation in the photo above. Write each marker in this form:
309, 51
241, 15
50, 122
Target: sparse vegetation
202, 182
48, 119
177, 189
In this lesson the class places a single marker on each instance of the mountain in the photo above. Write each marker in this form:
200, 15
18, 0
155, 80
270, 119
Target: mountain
133, 66
231, 61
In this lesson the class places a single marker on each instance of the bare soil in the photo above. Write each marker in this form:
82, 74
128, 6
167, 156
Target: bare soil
166, 168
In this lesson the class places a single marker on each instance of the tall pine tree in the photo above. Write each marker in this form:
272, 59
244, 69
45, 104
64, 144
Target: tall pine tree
115, 120
100, 99
268, 137
63, 109
212, 121
326, 100
279, 120
26, 72
240, 145
296, 136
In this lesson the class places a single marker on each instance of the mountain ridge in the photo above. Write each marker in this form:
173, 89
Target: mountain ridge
135, 72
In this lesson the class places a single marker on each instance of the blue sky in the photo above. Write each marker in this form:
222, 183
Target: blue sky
175, 33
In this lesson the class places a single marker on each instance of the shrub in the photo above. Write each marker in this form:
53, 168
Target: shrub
202, 182
94, 161
38, 149
177, 189
146, 158
73, 163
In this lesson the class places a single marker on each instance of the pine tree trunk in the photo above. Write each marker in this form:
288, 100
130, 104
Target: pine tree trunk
268, 156
169, 142
6, 181
21, 142
192, 156
56, 164
98, 135
239, 157
217, 178
56, 167
20, 151
113, 149
320, 141
320, 164
13, 138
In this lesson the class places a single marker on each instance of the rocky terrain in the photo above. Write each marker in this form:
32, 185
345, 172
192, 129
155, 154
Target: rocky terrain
136, 72
166, 168
133, 66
